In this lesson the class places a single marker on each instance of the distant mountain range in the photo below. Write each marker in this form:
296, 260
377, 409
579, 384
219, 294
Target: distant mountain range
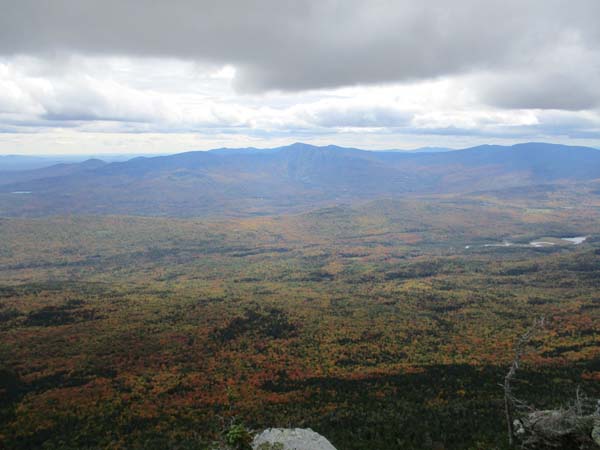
23, 162
242, 182
10, 163
430, 150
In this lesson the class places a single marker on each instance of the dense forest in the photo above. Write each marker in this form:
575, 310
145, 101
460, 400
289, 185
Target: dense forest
383, 325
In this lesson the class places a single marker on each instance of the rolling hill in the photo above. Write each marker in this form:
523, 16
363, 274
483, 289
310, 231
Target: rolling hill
243, 182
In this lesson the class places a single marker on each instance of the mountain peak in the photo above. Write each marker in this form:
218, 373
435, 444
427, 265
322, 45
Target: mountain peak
300, 146
292, 177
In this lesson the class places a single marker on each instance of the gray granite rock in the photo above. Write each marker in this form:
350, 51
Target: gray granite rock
291, 439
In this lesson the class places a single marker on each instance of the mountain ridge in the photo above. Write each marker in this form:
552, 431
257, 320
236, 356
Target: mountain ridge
250, 181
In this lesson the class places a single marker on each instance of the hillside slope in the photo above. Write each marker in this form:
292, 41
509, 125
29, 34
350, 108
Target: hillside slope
242, 182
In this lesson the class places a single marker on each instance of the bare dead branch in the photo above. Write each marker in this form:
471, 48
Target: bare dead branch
509, 400
574, 426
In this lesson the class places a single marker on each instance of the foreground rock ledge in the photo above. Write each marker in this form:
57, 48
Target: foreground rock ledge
290, 439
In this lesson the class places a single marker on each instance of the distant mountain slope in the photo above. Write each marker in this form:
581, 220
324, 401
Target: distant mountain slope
24, 162
53, 171
241, 182
430, 150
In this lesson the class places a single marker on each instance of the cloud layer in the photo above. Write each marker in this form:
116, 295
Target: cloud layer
275, 68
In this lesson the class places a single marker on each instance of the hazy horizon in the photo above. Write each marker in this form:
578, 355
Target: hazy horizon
111, 156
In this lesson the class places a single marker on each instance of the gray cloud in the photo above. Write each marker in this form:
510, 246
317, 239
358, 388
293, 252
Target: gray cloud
544, 91
462, 71
303, 44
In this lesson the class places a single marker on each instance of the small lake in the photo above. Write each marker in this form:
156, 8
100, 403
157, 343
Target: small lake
539, 244
503, 244
575, 240
535, 244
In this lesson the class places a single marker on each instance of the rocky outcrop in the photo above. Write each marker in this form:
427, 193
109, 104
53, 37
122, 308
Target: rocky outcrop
290, 439
560, 429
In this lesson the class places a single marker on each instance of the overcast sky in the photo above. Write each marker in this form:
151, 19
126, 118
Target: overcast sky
137, 76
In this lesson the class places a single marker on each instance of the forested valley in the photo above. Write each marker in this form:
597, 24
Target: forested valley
384, 324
